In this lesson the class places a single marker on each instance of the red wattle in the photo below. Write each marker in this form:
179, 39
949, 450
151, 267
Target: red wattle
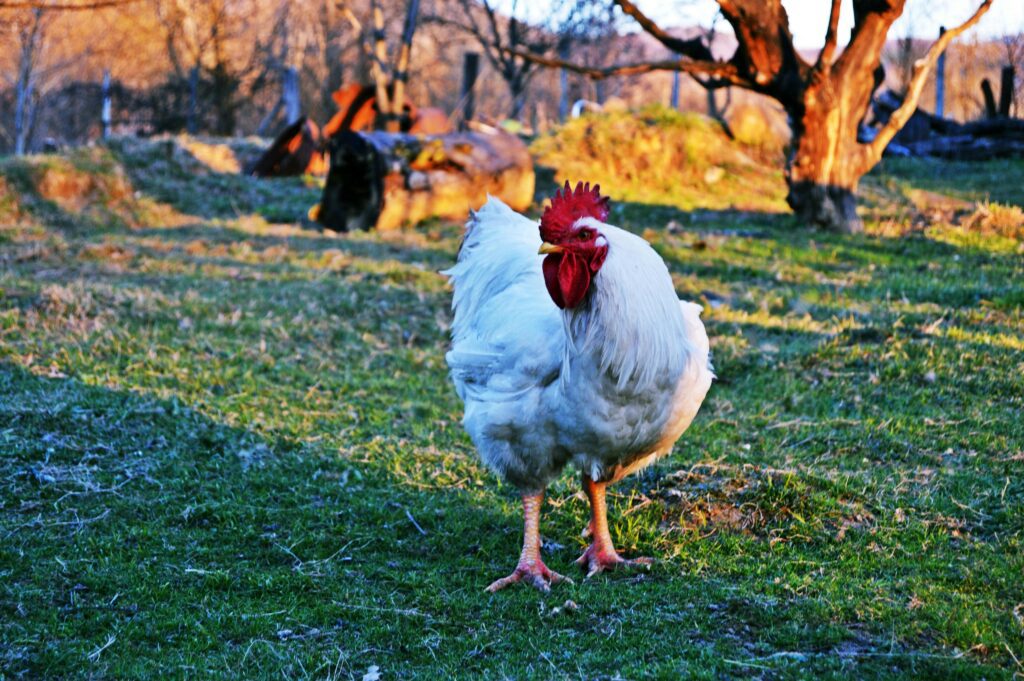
573, 279
567, 277
550, 266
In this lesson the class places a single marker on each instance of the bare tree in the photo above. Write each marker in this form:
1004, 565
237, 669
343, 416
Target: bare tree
826, 100
208, 37
501, 38
30, 34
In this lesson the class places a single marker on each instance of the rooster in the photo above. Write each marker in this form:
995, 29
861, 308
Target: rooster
585, 355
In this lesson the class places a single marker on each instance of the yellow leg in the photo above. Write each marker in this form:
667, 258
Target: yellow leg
601, 554
531, 569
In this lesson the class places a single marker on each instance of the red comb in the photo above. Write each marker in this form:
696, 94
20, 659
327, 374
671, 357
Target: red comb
568, 206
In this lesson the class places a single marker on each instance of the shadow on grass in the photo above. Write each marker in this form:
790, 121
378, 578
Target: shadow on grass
145, 520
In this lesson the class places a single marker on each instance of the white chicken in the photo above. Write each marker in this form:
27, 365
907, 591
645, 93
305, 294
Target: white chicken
586, 355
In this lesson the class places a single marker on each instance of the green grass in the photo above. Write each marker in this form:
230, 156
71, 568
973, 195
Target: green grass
229, 449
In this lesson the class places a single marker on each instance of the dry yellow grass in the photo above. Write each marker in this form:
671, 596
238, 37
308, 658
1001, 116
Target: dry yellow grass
661, 156
996, 218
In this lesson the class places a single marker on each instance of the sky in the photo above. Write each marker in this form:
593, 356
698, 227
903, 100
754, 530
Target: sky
808, 18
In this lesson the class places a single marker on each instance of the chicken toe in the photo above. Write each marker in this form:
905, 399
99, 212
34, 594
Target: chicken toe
601, 554
536, 574
598, 559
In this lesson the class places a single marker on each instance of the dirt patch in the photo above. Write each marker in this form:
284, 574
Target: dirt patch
757, 501
87, 188
761, 127
75, 190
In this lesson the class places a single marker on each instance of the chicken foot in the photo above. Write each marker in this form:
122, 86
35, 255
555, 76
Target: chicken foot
601, 554
531, 569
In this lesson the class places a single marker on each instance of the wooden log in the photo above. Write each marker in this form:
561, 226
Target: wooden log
969, 147
295, 151
387, 181
1005, 128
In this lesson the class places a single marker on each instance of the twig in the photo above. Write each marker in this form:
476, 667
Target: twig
631, 509
740, 663
1015, 659
408, 612
415, 524
95, 655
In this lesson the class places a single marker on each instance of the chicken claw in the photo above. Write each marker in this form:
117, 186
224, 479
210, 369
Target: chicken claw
534, 573
596, 560
601, 554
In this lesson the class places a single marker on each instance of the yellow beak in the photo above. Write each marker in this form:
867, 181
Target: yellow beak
546, 248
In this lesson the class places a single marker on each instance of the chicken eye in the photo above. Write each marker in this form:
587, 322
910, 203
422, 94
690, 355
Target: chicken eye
584, 235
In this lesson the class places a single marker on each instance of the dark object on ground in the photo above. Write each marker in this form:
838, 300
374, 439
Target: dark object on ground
354, 194
387, 180
295, 151
303, 148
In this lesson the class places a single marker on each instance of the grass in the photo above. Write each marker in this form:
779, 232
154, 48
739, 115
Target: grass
229, 449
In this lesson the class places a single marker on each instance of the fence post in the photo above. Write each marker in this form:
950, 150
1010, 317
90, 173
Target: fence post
290, 95
105, 110
470, 69
675, 90
990, 98
1006, 91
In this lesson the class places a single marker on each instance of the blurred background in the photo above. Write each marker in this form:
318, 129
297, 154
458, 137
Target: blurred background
223, 67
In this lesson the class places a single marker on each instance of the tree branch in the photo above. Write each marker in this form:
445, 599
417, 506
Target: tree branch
765, 54
831, 38
693, 48
493, 54
723, 72
922, 67
872, 20
63, 6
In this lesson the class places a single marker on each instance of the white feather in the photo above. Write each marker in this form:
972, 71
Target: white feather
609, 384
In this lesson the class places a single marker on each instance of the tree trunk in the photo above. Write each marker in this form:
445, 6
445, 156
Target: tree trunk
822, 176
827, 205
827, 161
24, 111
517, 89
224, 86
21, 111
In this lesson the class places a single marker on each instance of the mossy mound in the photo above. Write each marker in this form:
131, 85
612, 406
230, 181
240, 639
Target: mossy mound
661, 156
